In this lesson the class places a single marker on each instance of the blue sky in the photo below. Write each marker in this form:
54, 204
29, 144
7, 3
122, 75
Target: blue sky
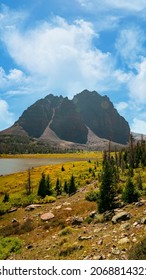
64, 47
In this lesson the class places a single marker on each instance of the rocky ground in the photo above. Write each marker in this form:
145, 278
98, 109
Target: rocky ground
71, 228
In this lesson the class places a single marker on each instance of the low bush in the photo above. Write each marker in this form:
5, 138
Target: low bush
65, 231
8, 246
138, 252
4, 207
92, 195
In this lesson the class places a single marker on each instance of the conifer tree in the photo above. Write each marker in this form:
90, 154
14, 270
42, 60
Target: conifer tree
107, 188
58, 187
49, 190
66, 187
72, 186
139, 183
130, 194
42, 186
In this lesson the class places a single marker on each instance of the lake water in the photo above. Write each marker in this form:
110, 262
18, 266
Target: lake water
13, 165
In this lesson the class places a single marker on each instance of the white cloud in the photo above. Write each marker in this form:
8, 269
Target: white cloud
59, 55
135, 6
138, 126
14, 80
130, 44
6, 117
121, 106
137, 84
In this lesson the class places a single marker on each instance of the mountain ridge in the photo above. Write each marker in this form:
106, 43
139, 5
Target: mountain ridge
60, 120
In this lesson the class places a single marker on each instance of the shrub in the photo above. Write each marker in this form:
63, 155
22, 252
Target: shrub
139, 251
48, 199
69, 250
92, 195
72, 186
130, 194
9, 245
4, 207
65, 231
6, 197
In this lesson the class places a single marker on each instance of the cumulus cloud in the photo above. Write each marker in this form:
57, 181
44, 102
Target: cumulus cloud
61, 55
138, 126
6, 117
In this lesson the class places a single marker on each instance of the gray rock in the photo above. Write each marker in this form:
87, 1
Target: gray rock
125, 226
100, 242
122, 216
143, 220
139, 203
12, 210
98, 257
77, 221
47, 216
32, 207
92, 214
85, 237
108, 215
116, 251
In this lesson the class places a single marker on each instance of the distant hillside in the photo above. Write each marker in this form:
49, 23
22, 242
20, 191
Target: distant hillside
84, 120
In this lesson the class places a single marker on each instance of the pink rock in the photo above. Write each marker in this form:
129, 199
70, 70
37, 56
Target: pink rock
47, 216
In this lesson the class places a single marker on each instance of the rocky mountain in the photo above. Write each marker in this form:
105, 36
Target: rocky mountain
83, 120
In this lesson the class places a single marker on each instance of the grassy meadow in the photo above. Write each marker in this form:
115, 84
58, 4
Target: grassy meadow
15, 185
31, 238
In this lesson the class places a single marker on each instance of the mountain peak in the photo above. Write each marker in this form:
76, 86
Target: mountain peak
71, 120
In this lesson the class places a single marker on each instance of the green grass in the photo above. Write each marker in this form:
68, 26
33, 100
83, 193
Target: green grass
8, 246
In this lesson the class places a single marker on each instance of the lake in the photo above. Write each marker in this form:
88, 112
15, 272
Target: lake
13, 165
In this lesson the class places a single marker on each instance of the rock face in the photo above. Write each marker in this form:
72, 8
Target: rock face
71, 120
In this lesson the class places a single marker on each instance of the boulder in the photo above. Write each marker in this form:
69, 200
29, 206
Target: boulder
125, 226
47, 216
77, 221
32, 207
122, 216
108, 215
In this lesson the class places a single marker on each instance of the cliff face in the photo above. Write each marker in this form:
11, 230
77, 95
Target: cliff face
71, 120
99, 114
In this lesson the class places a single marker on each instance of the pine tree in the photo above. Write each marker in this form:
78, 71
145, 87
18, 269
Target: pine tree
72, 186
129, 194
58, 187
66, 187
139, 183
49, 190
42, 186
107, 188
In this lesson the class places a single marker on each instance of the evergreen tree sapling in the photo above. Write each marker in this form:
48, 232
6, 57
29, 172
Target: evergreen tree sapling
130, 194
42, 186
49, 190
72, 186
66, 187
107, 188
58, 187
